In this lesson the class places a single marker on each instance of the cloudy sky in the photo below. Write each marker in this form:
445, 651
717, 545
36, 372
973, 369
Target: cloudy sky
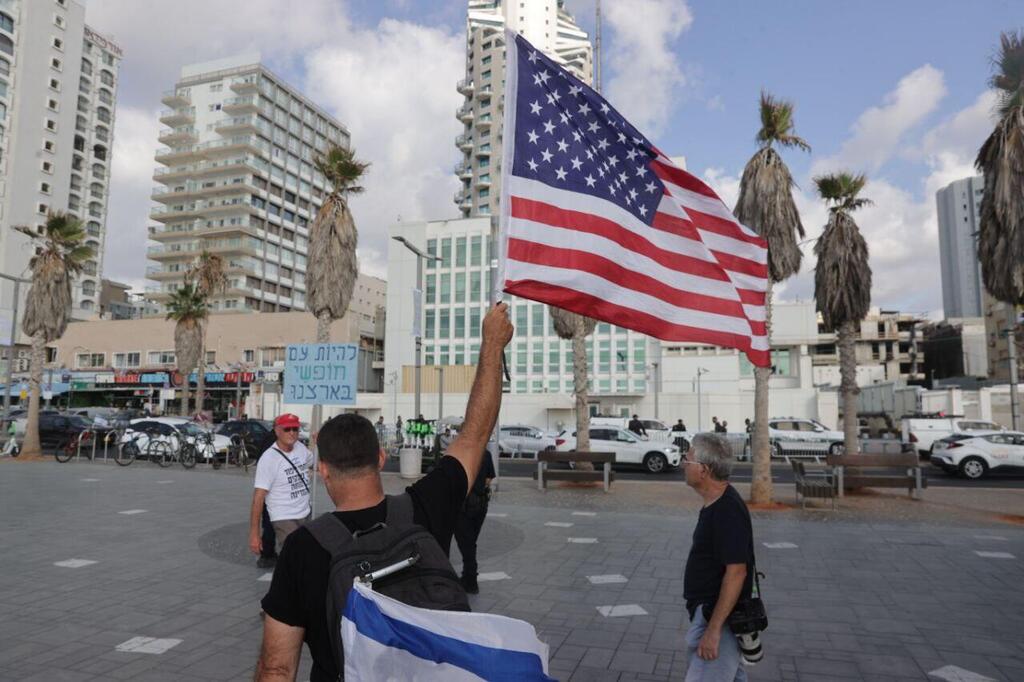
895, 90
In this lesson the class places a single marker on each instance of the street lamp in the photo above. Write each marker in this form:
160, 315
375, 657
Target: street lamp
700, 371
656, 379
416, 312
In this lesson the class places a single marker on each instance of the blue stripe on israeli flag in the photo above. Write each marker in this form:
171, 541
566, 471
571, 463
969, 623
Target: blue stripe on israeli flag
385, 639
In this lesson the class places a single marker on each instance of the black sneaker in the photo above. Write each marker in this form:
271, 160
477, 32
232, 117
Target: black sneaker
470, 584
266, 562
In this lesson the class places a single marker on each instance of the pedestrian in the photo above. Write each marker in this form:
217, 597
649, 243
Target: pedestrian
637, 426
282, 480
398, 431
719, 567
268, 543
725, 427
716, 427
679, 426
748, 426
381, 429
11, 448
296, 605
471, 520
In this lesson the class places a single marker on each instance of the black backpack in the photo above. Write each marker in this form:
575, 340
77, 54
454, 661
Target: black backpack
429, 582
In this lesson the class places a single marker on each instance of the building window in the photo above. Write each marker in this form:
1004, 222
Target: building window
248, 356
51, 125
58, 43
48, 146
6, 22
42, 209
160, 357
90, 360
52, 104
58, 20
56, 64
44, 187
47, 167
55, 84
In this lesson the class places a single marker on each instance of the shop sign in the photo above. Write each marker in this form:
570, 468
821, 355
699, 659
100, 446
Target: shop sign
104, 378
81, 385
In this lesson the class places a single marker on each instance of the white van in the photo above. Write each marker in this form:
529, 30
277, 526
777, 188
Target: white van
922, 432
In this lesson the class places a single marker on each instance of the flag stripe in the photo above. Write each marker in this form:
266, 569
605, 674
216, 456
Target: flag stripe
583, 303
628, 298
490, 663
577, 221
587, 261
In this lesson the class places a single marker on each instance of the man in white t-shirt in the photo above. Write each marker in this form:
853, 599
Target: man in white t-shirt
283, 482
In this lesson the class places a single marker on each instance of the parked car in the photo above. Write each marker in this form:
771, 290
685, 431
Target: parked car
973, 456
56, 429
656, 429
795, 436
172, 430
922, 431
519, 439
627, 446
256, 433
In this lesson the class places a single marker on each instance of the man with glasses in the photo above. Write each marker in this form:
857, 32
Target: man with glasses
282, 481
718, 569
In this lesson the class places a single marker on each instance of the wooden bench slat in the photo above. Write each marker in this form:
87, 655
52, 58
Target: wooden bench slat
595, 457
562, 475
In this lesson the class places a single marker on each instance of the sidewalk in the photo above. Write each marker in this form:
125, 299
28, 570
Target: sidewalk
885, 589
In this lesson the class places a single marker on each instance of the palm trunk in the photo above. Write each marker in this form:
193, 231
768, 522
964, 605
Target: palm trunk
760, 448
323, 327
848, 385
201, 373
184, 395
31, 446
579, 377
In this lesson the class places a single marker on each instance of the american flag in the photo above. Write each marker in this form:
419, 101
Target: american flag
596, 220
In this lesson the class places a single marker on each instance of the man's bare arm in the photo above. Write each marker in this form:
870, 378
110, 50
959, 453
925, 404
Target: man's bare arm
485, 396
259, 496
279, 655
732, 586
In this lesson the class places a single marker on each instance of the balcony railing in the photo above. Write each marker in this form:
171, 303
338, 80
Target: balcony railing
464, 113
464, 141
465, 86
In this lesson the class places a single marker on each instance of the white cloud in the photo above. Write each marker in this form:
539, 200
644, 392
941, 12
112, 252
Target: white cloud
879, 130
392, 85
645, 77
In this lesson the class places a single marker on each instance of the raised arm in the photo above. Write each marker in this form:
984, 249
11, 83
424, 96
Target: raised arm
485, 396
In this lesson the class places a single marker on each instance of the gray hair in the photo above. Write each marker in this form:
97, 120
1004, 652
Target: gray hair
714, 452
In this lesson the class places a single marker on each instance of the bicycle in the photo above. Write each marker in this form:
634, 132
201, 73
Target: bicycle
64, 451
238, 453
128, 452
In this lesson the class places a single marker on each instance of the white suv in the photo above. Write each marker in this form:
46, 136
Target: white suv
655, 457
796, 436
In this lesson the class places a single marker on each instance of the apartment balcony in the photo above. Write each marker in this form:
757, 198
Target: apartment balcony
178, 117
464, 114
177, 98
482, 182
484, 121
164, 214
463, 199
247, 104
464, 142
465, 86
246, 84
240, 143
237, 124
481, 151
168, 175
217, 206
166, 195
161, 274
484, 92
463, 170
170, 156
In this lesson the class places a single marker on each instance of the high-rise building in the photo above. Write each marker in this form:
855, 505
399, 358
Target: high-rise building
959, 208
546, 24
238, 180
58, 86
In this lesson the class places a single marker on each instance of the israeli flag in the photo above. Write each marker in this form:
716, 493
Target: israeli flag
385, 639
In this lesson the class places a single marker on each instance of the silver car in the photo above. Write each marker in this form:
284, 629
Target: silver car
518, 439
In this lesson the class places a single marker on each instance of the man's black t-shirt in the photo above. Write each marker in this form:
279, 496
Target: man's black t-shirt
724, 535
486, 473
298, 592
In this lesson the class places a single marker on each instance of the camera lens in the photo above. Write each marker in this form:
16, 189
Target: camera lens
750, 648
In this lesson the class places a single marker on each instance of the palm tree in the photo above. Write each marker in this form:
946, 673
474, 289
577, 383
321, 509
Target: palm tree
207, 273
577, 328
1001, 161
842, 283
60, 255
333, 268
766, 206
188, 308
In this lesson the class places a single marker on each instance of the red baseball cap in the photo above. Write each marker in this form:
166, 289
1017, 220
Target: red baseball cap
287, 420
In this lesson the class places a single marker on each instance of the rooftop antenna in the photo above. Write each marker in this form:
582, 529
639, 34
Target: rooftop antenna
597, 49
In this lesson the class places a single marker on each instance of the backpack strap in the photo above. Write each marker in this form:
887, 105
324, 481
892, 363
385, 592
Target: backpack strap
399, 510
330, 533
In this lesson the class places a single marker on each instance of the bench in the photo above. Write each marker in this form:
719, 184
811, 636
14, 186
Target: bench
819, 484
898, 471
543, 474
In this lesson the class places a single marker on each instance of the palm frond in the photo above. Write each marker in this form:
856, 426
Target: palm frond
61, 254
777, 123
842, 276
341, 168
841, 190
187, 303
1008, 78
1001, 226
766, 205
207, 273
568, 324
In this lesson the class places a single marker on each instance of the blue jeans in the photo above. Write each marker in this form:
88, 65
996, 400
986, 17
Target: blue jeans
728, 667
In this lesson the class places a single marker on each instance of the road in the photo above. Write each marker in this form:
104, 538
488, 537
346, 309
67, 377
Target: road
781, 473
